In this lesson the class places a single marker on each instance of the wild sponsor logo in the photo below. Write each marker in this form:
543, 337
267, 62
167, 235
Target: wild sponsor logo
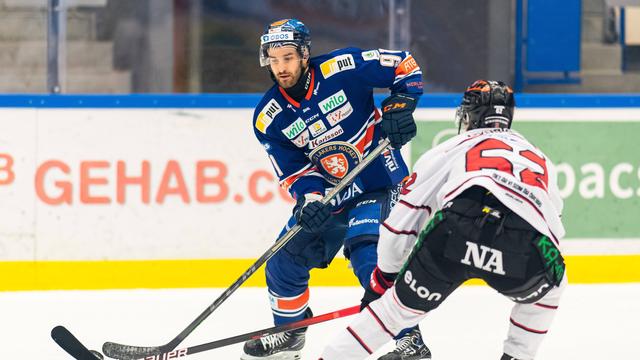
295, 129
335, 159
331, 134
266, 116
332, 101
336, 65
341, 113
317, 128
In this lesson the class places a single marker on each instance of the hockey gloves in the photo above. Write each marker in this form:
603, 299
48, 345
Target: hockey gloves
310, 213
397, 123
379, 283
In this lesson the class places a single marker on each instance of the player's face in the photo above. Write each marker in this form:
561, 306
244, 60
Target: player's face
286, 64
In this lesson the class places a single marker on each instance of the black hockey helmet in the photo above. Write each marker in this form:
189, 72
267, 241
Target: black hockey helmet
486, 104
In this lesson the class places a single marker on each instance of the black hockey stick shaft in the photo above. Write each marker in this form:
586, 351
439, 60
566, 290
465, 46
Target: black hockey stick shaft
260, 333
69, 343
128, 352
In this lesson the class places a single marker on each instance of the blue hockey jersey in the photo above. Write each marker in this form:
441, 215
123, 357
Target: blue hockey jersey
314, 143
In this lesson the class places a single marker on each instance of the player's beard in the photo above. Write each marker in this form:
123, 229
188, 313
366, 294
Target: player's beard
291, 79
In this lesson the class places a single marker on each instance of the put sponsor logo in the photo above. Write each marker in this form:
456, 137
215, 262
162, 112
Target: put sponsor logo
295, 129
341, 113
336, 65
332, 101
266, 116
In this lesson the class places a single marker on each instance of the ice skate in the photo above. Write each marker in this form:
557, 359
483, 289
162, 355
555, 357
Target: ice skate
409, 347
282, 346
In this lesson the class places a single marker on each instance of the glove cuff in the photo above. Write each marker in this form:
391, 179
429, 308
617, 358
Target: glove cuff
381, 281
314, 196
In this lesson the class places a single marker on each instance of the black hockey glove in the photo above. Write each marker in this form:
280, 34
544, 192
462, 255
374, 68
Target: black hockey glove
310, 213
379, 283
397, 123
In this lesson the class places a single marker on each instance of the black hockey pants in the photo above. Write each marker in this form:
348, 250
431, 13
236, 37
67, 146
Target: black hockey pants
476, 236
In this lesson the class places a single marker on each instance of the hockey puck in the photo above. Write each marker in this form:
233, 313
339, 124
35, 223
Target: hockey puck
97, 354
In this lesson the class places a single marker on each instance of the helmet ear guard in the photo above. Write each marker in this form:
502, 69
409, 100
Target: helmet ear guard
486, 104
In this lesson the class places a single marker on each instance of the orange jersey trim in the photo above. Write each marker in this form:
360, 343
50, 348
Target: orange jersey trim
294, 303
407, 65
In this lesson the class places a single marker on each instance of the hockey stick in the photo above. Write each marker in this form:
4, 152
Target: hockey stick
128, 352
72, 345
258, 333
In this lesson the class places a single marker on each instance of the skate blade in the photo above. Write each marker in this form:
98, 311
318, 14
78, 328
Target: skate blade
283, 355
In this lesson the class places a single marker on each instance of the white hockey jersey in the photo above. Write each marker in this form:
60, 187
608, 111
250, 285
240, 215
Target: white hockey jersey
500, 160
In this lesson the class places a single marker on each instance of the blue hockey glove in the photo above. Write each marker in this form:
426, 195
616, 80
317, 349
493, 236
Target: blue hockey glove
310, 213
379, 283
397, 123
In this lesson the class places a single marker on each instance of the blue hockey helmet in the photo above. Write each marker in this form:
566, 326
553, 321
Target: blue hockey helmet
285, 32
486, 104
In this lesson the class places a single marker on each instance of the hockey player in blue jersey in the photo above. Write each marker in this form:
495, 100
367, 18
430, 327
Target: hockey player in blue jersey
316, 123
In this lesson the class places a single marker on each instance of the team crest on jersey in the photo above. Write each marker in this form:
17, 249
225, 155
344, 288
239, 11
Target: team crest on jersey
266, 116
337, 64
335, 160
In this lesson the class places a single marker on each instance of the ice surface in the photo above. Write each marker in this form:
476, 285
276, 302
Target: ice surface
593, 322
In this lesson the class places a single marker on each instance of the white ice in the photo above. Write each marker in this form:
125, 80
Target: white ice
593, 321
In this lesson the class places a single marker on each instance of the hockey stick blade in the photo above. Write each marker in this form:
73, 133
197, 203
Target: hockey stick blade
128, 352
69, 343
239, 338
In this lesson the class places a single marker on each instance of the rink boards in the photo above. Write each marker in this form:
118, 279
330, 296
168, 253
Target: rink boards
138, 194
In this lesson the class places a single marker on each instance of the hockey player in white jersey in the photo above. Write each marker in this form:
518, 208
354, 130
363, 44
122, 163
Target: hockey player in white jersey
484, 204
